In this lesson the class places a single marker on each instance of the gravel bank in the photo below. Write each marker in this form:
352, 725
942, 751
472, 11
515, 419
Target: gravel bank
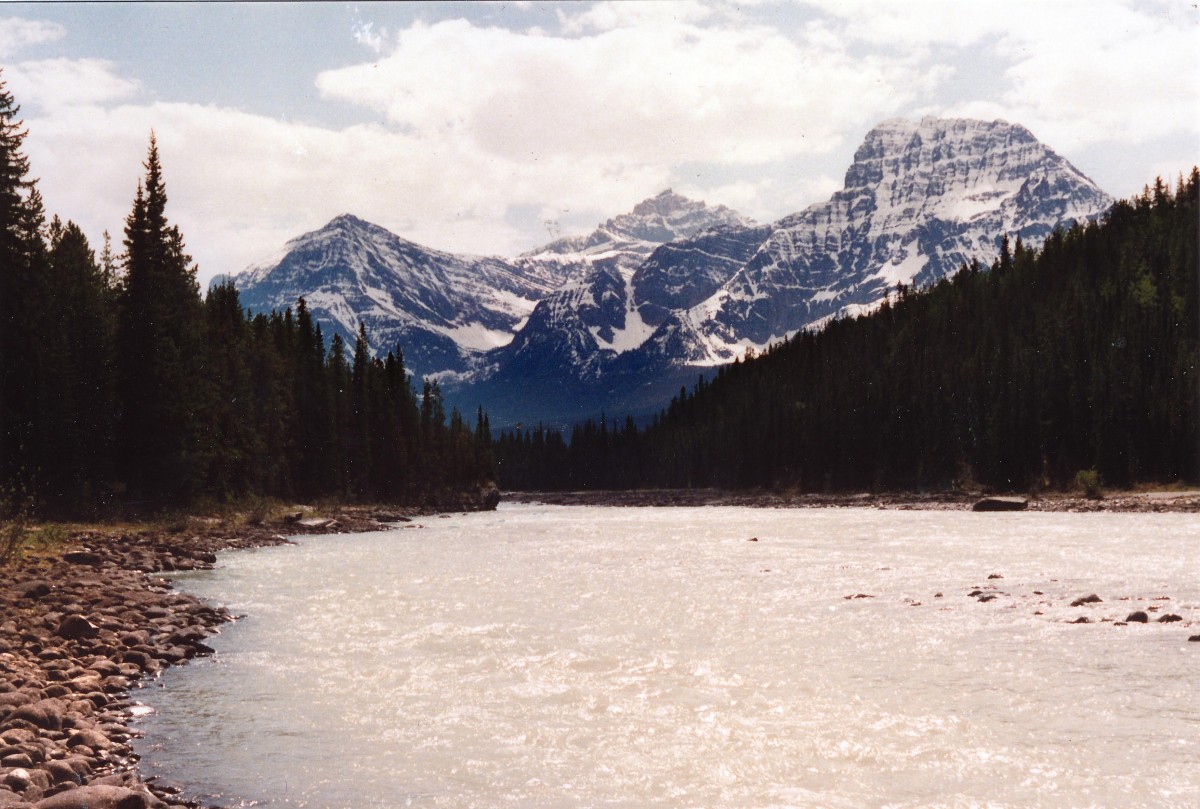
84, 627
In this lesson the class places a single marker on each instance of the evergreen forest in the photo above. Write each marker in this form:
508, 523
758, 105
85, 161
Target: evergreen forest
1080, 357
122, 389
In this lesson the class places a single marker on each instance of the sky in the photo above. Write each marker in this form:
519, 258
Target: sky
492, 128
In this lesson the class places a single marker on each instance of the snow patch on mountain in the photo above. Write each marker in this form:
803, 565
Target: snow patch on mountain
444, 310
921, 199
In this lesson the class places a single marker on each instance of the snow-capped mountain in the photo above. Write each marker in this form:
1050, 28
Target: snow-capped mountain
444, 310
920, 200
617, 319
600, 299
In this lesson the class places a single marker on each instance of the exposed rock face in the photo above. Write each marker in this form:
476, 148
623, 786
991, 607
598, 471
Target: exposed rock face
601, 309
443, 309
684, 273
920, 200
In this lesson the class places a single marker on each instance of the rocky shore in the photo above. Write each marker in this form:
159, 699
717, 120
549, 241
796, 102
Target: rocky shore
1182, 500
85, 625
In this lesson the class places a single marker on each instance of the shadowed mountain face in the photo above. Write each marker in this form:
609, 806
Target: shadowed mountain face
618, 319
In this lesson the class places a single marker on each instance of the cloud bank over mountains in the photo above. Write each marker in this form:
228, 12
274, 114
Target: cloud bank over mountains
482, 131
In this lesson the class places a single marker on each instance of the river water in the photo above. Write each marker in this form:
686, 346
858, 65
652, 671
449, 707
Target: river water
545, 656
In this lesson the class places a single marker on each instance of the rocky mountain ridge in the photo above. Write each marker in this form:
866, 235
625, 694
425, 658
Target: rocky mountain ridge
614, 320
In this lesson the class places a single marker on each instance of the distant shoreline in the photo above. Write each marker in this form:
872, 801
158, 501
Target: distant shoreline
1149, 501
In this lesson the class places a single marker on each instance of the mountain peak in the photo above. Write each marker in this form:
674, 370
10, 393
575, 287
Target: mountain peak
348, 221
663, 203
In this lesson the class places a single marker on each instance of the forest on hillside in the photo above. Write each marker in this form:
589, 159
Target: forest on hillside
1079, 357
120, 388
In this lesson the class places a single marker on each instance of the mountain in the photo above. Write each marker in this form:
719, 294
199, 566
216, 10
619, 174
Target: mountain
920, 200
600, 298
617, 319
555, 367
444, 310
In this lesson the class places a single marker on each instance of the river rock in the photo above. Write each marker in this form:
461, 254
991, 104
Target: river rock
1001, 504
9, 800
317, 523
45, 714
18, 780
1169, 618
83, 558
71, 770
1088, 599
88, 738
1137, 617
15, 699
389, 517
33, 590
99, 797
76, 627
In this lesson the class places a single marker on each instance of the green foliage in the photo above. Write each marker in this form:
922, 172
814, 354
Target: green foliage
1088, 482
15, 509
1081, 356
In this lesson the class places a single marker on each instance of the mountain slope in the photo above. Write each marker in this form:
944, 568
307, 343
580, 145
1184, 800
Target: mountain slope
920, 200
557, 362
444, 310
1084, 356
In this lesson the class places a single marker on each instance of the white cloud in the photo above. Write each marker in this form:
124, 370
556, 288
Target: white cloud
366, 34
1075, 72
69, 82
480, 122
609, 15
630, 95
17, 34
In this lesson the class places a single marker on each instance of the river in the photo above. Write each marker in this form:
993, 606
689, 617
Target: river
542, 656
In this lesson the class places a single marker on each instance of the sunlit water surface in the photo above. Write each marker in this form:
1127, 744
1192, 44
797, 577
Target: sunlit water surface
602, 657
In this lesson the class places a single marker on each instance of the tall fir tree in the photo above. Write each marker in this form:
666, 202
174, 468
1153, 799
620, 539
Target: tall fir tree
160, 342
17, 294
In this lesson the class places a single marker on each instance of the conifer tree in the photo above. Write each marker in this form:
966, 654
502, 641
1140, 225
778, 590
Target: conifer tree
82, 411
159, 349
16, 293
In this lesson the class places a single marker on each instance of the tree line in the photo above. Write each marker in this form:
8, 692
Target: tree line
120, 386
1080, 357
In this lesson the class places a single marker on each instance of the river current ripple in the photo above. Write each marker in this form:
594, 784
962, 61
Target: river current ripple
546, 656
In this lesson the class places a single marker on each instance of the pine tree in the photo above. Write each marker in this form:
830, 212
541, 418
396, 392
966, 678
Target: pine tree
160, 351
17, 294
81, 413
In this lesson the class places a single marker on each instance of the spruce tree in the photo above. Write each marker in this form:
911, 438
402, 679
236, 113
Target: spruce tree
81, 414
17, 295
160, 351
